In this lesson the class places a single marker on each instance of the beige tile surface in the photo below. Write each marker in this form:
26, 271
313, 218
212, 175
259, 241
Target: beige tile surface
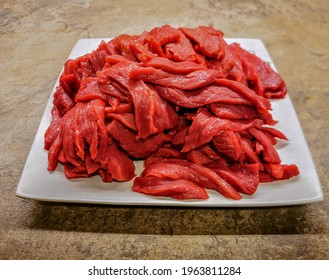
35, 39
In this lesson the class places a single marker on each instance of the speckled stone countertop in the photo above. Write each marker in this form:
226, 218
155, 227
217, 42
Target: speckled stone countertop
36, 38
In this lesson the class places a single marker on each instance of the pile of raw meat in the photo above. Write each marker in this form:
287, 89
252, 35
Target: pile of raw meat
195, 108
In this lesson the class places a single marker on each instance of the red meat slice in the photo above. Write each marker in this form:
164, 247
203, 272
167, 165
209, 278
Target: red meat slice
170, 66
136, 148
169, 42
127, 119
192, 80
54, 152
62, 101
182, 50
119, 72
281, 171
98, 56
144, 108
112, 88
228, 143
270, 155
82, 127
242, 177
209, 41
76, 70
160, 36
121, 45
83, 146
198, 157
211, 152
121, 108
178, 189
141, 52
181, 169
261, 77
205, 126
152, 113
93, 129
54, 128
233, 111
168, 151
232, 67
119, 165
68, 83
179, 137
89, 90
274, 132
69, 80
114, 59
91, 166
249, 152
262, 105
200, 97
72, 172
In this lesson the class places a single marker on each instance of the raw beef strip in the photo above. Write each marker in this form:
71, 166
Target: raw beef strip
82, 128
242, 177
160, 36
170, 66
114, 59
205, 126
112, 88
261, 77
141, 52
122, 108
208, 40
127, 119
62, 101
119, 165
119, 72
169, 42
76, 70
182, 169
54, 128
136, 148
274, 132
233, 111
121, 45
200, 97
89, 90
198, 157
281, 171
192, 80
262, 104
98, 56
270, 155
72, 172
228, 142
178, 189
249, 152
152, 113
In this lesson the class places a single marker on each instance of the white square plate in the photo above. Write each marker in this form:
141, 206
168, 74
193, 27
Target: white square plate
39, 184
